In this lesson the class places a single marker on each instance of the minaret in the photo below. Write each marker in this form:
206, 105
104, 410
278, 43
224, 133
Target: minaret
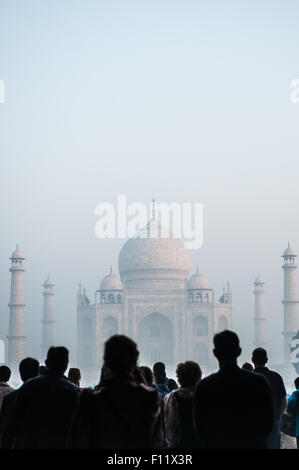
260, 335
48, 317
16, 336
153, 208
290, 302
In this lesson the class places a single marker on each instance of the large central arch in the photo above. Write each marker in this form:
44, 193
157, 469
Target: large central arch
155, 339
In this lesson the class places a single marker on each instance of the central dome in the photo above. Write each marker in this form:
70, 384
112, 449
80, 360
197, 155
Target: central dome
154, 253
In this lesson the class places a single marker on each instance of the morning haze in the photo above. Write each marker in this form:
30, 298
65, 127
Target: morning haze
188, 101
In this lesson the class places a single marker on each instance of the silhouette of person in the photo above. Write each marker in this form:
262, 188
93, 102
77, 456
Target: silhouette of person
28, 368
163, 384
45, 405
293, 407
260, 359
122, 414
178, 411
74, 376
247, 366
5, 374
233, 407
148, 374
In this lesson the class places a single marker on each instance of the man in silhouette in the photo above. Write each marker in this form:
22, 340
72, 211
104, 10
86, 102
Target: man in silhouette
123, 413
163, 384
232, 408
45, 405
28, 368
260, 359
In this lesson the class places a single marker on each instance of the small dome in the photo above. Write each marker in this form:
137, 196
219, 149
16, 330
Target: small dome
111, 282
198, 281
289, 251
17, 254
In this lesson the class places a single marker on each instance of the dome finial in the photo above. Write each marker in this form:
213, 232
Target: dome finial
197, 271
153, 208
110, 269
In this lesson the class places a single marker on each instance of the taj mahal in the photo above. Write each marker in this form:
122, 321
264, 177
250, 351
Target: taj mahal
171, 314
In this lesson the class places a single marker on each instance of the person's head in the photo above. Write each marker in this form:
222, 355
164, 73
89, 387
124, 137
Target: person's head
188, 373
259, 357
28, 368
159, 372
158, 368
74, 375
57, 360
247, 366
139, 376
147, 372
42, 370
120, 355
296, 382
226, 346
5, 373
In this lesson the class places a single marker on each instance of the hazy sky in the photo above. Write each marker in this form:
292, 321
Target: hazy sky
188, 100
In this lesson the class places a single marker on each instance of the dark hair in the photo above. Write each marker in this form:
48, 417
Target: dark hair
159, 372
259, 356
28, 368
5, 373
158, 367
57, 359
188, 373
148, 374
227, 346
74, 375
247, 366
296, 382
120, 354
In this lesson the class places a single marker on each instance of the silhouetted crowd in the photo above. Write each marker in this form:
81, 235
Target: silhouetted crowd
138, 408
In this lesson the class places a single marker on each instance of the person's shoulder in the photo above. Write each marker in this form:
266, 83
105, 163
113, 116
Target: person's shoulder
5, 387
30, 387
147, 393
258, 379
68, 385
256, 375
172, 394
275, 375
10, 396
9, 399
172, 383
34, 382
209, 380
294, 395
147, 389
